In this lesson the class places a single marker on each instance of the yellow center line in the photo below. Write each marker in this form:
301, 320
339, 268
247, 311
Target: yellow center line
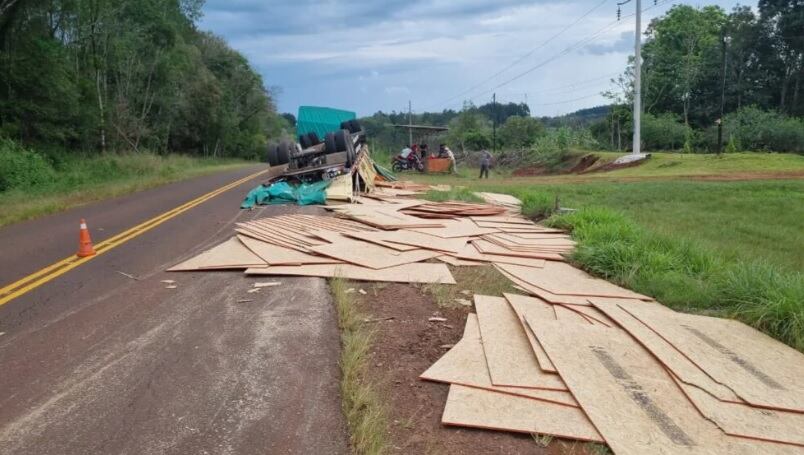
42, 276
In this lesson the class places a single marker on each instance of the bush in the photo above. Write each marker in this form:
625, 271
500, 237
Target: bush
21, 168
663, 132
754, 129
519, 131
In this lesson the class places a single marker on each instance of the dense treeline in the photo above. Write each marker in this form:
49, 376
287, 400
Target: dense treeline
701, 66
127, 75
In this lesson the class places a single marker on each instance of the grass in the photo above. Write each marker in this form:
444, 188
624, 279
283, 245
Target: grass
75, 180
360, 400
481, 280
725, 248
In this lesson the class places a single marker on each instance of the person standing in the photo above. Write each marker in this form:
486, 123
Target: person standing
485, 163
453, 165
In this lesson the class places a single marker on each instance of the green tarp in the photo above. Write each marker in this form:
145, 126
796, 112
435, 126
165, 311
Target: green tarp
285, 193
321, 120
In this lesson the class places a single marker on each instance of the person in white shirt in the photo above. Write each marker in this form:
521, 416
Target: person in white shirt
406, 152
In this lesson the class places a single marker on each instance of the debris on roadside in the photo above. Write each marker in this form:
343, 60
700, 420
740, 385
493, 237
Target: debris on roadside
168, 281
463, 302
267, 284
128, 275
171, 286
362, 292
437, 319
254, 290
245, 300
530, 365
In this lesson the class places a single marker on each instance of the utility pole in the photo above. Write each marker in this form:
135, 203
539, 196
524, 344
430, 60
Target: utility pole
494, 123
724, 42
636, 153
410, 125
638, 80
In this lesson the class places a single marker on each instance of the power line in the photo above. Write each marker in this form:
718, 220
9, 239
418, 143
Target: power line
565, 51
528, 54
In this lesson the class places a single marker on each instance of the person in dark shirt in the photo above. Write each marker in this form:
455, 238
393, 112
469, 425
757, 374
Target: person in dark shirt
485, 163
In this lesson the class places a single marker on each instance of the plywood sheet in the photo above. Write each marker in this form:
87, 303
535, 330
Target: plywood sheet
630, 398
230, 254
465, 364
421, 273
415, 239
456, 228
487, 247
541, 293
510, 359
451, 260
384, 216
277, 255
470, 252
567, 315
504, 219
537, 308
759, 369
594, 315
669, 356
743, 420
477, 408
370, 255
563, 279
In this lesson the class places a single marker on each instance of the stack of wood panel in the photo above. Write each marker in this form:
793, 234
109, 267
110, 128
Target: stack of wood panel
378, 241
615, 368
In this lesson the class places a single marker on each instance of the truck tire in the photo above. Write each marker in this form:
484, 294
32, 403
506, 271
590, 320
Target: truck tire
330, 146
354, 126
314, 140
271, 157
343, 140
304, 140
283, 152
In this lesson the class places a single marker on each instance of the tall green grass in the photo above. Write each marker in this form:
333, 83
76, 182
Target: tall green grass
685, 276
34, 183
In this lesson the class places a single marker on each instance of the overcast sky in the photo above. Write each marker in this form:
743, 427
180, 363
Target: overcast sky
370, 55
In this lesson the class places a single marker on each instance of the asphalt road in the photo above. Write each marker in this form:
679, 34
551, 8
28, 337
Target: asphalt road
95, 362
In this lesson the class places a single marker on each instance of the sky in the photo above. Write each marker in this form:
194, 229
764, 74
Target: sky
371, 55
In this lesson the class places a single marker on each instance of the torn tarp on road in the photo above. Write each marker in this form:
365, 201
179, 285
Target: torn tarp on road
283, 192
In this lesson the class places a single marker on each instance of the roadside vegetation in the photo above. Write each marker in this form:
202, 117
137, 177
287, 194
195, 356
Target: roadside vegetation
33, 184
362, 405
729, 249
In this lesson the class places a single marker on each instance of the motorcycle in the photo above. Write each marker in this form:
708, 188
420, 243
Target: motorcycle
411, 162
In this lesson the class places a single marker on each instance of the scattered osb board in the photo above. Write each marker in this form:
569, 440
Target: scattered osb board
503, 219
465, 364
470, 252
451, 260
456, 228
230, 254
477, 408
277, 255
384, 216
420, 273
592, 314
368, 254
541, 293
487, 247
565, 314
669, 356
511, 361
759, 369
630, 398
563, 279
415, 239
536, 308
746, 421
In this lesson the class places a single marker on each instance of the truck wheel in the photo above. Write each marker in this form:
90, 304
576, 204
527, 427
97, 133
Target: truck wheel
304, 140
271, 157
354, 126
330, 145
283, 152
343, 140
314, 140
350, 157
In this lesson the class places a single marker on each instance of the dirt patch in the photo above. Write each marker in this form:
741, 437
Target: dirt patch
406, 344
586, 162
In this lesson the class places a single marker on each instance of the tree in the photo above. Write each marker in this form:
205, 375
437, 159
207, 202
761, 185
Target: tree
519, 131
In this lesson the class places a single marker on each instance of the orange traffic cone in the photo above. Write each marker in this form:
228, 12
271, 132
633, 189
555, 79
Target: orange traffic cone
84, 242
